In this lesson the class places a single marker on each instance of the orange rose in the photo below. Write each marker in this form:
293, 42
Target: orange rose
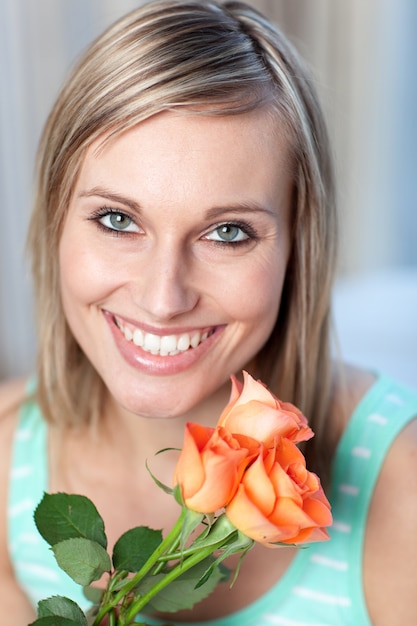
255, 412
210, 467
251, 465
279, 500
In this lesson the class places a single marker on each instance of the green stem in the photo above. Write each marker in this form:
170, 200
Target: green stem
179, 569
167, 557
164, 546
118, 576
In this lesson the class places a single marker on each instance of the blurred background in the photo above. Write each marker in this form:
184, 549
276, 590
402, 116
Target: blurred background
363, 57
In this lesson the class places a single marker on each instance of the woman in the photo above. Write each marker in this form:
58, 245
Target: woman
184, 230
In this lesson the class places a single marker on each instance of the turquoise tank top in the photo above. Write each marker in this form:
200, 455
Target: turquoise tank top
323, 585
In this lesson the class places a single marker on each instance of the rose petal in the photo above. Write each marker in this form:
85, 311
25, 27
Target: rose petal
189, 471
255, 390
308, 535
318, 509
222, 476
288, 454
210, 467
251, 522
258, 486
260, 422
255, 412
234, 394
284, 487
288, 513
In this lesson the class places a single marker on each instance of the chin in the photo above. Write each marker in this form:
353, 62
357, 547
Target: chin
153, 404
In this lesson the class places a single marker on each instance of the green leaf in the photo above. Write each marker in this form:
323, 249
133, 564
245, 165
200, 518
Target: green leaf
93, 594
221, 530
165, 488
237, 543
134, 547
191, 520
60, 516
55, 620
82, 559
182, 593
59, 606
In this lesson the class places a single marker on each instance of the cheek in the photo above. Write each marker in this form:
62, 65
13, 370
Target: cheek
85, 275
255, 295
75, 280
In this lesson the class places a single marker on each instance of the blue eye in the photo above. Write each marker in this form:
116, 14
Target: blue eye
228, 233
118, 221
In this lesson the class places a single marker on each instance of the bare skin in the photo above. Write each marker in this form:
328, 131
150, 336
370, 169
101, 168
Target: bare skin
390, 549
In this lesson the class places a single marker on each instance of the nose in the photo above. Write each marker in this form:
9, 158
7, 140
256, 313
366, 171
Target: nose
164, 287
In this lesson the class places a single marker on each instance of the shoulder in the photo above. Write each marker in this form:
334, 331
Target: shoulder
12, 394
390, 575
398, 479
390, 550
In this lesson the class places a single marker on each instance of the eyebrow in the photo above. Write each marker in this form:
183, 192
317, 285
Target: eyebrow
240, 207
212, 213
109, 195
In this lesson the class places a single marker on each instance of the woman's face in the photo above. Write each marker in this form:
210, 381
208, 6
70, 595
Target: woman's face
173, 255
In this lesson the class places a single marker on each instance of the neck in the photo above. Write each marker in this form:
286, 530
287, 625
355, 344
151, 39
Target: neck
143, 436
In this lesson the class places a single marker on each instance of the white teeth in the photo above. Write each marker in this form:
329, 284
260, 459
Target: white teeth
195, 340
137, 337
152, 343
183, 342
166, 345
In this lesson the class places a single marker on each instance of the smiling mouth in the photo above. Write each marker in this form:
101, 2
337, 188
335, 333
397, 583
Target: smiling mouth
162, 345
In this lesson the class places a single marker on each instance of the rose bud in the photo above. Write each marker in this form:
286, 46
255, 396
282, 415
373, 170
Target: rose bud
255, 412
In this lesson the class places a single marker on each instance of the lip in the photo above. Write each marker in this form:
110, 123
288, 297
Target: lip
155, 364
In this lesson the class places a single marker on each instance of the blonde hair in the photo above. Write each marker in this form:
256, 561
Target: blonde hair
170, 54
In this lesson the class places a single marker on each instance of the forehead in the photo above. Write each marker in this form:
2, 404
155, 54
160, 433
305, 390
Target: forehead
189, 128
182, 151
